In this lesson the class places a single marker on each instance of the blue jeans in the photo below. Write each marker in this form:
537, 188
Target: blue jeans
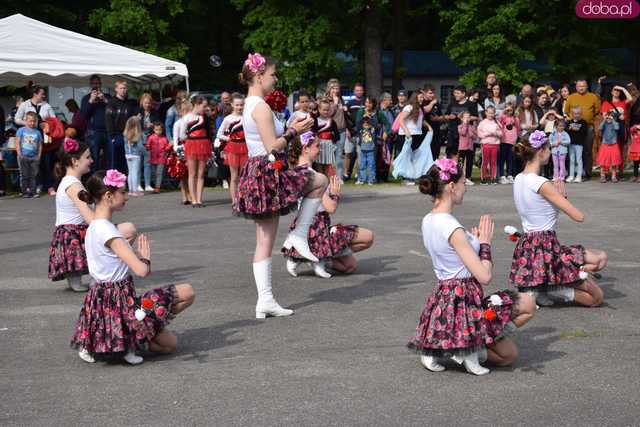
115, 153
575, 158
145, 156
367, 166
340, 154
133, 179
97, 140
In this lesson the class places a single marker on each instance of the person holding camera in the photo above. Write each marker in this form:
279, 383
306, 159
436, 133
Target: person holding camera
618, 103
609, 156
92, 110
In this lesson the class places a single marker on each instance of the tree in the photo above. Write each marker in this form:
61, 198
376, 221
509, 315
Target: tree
141, 24
304, 37
493, 35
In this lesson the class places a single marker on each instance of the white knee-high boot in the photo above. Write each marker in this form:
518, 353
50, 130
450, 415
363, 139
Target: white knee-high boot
267, 305
74, 281
298, 237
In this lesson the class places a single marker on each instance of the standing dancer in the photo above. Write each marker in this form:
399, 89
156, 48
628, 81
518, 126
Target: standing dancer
267, 188
330, 244
67, 257
113, 319
231, 134
457, 320
541, 265
328, 137
197, 148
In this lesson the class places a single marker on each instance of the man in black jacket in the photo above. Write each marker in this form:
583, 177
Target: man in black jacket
119, 109
92, 110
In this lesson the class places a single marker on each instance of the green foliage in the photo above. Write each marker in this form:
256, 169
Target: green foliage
141, 24
303, 37
491, 35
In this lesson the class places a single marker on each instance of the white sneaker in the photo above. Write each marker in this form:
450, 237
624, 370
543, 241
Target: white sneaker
132, 358
510, 179
569, 179
292, 266
503, 180
578, 180
148, 188
86, 356
225, 184
409, 182
320, 271
468, 182
431, 364
359, 182
140, 189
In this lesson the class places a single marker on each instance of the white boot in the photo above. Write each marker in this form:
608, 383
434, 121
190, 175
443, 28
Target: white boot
319, 269
298, 237
431, 364
132, 359
75, 283
471, 364
267, 305
292, 266
86, 356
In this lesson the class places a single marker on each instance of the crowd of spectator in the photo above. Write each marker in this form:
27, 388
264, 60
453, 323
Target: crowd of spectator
361, 135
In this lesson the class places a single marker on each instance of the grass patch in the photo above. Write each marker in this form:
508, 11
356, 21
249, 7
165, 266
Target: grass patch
578, 333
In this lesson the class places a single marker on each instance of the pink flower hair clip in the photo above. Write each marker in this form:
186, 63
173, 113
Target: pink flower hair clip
447, 168
71, 146
256, 63
307, 138
114, 178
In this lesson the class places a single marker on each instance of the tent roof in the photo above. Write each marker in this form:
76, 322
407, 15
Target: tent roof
50, 55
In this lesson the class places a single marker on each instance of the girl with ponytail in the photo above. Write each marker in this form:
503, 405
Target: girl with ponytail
542, 266
113, 319
333, 245
67, 257
457, 321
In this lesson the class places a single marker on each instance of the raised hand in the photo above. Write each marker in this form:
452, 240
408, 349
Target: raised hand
485, 229
144, 249
302, 124
334, 186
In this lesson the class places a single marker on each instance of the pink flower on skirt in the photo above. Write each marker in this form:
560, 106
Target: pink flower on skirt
437, 312
160, 311
522, 261
446, 344
459, 291
475, 313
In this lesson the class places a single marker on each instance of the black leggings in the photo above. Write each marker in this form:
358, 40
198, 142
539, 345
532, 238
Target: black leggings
467, 156
636, 165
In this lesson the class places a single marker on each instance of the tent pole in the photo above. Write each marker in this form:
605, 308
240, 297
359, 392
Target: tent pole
188, 91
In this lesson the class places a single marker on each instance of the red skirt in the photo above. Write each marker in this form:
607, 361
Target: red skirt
197, 149
609, 155
235, 154
634, 150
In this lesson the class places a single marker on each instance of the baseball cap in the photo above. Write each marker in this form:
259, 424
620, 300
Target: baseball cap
402, 92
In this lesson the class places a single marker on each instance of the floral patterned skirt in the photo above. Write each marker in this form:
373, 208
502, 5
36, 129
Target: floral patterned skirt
107, 322
457, 319
325, 241
540, 262
66, 253
268, 189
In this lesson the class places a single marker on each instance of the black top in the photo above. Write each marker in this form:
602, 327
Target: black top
117, 112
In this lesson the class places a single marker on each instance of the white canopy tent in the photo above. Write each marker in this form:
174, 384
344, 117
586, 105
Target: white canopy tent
52, 56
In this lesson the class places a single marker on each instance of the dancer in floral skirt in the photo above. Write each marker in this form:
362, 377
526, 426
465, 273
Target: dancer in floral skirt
113, 320
333, 245
457, 320
67, 257
267, 187
541, 265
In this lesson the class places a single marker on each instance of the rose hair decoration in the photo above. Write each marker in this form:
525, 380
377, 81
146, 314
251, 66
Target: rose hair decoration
537, 139
71, 146
447, 168
114, 178
307, 138
256, 63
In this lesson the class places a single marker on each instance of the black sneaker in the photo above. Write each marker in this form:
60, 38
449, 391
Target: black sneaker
483, 182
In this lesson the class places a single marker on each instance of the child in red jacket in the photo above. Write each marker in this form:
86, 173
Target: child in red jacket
159, 147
